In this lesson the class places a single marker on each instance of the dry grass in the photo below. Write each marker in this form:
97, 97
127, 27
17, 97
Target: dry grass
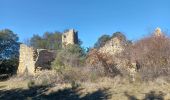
118, 88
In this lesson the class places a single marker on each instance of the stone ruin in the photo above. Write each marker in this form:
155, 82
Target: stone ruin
44, 58
69, 37
116, 46
158, 32
26, 60
112, 47
31, 59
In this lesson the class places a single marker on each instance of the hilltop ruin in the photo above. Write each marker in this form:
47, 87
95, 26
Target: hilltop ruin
158, 32
69, 37
31, 59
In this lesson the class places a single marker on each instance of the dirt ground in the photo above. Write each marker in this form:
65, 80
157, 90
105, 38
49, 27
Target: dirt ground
103, 89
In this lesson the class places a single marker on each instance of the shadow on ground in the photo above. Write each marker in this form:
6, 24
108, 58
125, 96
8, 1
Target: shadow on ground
152, 95
39, 93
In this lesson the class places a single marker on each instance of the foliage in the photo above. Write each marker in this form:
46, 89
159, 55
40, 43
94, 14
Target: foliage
104, 38
49, 40
71, 55
120, 35
9, 51
101, 41
8, 43
152, 54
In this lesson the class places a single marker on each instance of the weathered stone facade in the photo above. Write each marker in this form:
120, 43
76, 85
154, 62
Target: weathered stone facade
26, 60
112, 47
69, 37
117, 46
31, 59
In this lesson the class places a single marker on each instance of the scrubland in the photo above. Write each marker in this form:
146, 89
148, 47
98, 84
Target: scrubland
139, 72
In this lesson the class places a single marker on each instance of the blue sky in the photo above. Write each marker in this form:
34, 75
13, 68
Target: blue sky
92, 18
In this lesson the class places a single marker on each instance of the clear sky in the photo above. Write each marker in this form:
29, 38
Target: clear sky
92, 18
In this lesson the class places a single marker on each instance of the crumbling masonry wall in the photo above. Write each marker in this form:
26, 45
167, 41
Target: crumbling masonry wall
32, 60
44, 58
112, 47
26, 60
69, 37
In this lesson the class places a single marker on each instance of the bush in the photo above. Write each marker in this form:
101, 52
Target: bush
71, 55
152, 54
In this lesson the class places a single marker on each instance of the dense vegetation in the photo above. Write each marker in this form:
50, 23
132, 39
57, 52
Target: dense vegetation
9, 52
49, 40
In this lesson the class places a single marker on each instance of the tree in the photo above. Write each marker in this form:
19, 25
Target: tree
70, 56
8, 43
104, 38
49, 40
119, 35
35, 41
102, 41
9, 51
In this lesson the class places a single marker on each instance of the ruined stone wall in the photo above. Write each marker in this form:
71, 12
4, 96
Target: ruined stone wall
44, 59
112, 47
69, 37
31, 59
26, 60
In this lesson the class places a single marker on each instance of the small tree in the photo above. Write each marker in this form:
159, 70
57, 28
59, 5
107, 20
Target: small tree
49, 40
102, 41
119, 35
71, 55
9, 52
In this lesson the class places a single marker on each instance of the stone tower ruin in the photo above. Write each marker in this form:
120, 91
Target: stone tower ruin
69, 37
158, 32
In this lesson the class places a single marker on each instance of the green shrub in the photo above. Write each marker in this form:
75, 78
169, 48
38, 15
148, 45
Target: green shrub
71, 55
